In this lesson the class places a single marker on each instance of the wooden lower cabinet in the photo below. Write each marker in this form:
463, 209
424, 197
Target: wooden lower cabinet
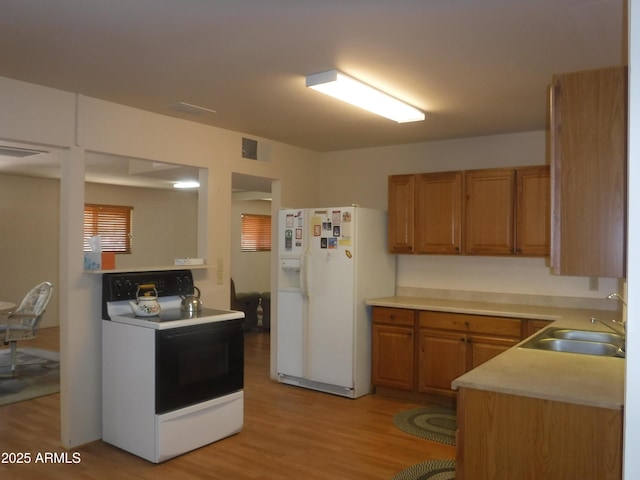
424, 351
533, 326
442, 357
393, 348
450, 344
482, 348
393, 364
510, 436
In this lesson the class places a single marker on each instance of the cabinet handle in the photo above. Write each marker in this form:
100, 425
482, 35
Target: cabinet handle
462, 339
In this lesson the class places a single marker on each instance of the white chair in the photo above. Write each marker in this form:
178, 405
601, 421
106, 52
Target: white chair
23, 322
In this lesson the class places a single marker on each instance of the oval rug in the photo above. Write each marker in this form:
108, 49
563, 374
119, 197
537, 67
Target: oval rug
431, 470
431, 423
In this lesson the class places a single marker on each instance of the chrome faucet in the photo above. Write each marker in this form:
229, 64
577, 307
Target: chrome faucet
621, 325
616, 295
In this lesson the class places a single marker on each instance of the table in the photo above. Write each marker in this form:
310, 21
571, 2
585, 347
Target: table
6, 306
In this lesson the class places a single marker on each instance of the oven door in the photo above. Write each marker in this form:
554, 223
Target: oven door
198, 363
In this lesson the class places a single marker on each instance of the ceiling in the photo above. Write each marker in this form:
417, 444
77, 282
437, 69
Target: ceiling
476, 67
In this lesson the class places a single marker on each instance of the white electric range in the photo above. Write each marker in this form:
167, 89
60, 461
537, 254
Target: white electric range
172, 382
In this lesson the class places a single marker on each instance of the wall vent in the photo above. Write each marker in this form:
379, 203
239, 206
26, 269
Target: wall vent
249, 148
16, 152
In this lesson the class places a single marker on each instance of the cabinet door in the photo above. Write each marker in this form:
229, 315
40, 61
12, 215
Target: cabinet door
438, 212
504, 436
489, 211
534, 326
393, 357
482, 348
401, 213
533, 211
588, 164
441, 359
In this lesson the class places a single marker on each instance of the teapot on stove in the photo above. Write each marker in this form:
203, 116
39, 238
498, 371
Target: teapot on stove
191, 303
146, 305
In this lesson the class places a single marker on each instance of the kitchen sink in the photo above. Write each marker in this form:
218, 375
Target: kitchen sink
586, 342
588, 336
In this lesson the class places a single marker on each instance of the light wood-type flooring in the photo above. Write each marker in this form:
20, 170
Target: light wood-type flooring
289, 433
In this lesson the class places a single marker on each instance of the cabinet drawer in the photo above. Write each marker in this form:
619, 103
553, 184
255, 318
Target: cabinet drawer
461, 322
393, 316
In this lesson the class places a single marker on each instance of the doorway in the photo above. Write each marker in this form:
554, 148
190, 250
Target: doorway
250, 269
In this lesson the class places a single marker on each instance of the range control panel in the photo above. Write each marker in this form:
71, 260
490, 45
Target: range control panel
124, 286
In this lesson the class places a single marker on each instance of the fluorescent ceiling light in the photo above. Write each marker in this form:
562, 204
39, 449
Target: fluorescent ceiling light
190, 108
350, 90
186, 184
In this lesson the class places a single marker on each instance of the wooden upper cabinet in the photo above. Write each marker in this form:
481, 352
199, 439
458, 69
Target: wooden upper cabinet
401, 213
533, 211
489, 211
496, 211
589, 171
438, 213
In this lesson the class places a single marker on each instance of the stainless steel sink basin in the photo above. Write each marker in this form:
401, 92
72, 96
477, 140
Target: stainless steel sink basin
588, 336
578, 341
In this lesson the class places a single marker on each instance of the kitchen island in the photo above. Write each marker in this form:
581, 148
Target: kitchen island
529, 413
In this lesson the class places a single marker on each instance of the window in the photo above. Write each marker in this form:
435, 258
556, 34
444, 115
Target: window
112, 223
256, 233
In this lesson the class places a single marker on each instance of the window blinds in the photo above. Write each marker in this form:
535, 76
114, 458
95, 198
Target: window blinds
256, 233
112, 223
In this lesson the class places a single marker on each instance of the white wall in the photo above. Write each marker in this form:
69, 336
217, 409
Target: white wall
38, 115
360, 176
164, 222
30, 239
632, 394
30, 211
74, 125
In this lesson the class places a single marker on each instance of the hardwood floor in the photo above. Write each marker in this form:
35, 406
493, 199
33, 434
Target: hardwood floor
289, 433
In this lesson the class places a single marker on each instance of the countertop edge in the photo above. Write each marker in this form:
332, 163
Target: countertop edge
472, 310
609, 405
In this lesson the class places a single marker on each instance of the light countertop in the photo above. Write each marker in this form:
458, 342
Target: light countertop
559, 376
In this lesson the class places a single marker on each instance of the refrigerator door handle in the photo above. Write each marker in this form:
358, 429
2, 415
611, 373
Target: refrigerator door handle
304, 274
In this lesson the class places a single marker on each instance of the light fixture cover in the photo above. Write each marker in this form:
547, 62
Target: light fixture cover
186, 184
350, 90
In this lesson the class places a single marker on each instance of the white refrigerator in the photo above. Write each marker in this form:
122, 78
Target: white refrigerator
331, 260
